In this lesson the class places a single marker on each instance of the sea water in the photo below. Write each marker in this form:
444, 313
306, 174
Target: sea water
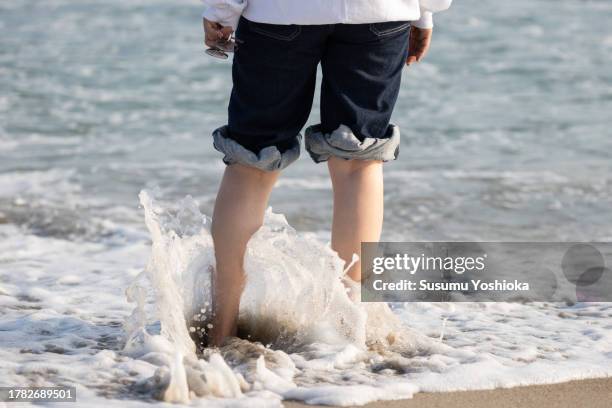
505, 136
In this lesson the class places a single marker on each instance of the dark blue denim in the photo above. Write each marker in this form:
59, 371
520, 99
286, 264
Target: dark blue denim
274, 77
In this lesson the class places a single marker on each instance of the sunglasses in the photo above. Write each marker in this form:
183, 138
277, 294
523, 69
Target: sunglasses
223, 47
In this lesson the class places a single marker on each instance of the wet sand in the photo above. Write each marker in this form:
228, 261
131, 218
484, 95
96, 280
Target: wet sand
595, 393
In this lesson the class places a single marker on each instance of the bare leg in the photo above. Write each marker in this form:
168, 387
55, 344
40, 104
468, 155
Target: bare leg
358, 207
239, 211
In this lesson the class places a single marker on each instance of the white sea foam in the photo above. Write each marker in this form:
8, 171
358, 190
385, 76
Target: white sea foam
309, 341
61, 324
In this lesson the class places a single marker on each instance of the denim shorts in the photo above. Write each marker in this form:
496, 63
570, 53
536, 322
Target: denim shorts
274, 78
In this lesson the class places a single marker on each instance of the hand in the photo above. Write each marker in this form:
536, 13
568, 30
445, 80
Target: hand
215, 32
420, 40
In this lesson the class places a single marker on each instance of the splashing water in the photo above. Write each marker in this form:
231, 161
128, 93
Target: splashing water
308, 340
294, 302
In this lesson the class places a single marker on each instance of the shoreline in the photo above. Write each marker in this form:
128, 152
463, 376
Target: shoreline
591, 393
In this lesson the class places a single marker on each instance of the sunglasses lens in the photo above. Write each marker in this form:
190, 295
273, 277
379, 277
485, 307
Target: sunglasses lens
217, 53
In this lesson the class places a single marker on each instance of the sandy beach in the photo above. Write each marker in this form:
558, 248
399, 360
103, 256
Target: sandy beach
596, 393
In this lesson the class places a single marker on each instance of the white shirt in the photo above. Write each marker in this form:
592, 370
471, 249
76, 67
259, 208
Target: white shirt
227, 12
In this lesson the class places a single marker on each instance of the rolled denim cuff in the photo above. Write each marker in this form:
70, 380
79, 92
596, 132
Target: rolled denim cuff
344, 144
268, 159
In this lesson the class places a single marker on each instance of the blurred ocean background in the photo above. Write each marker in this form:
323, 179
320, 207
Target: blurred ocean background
506, 135
506, 126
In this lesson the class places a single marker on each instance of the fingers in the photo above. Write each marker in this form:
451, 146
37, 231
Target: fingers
412, 59
215, 32
210, 33
226, 32
420, 40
